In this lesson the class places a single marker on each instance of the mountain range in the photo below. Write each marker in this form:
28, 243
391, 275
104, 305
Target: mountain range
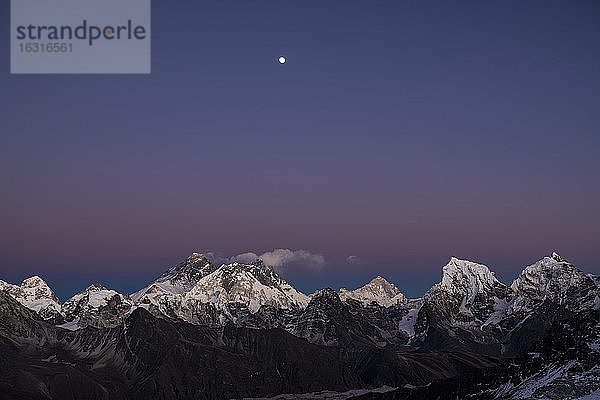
238, 330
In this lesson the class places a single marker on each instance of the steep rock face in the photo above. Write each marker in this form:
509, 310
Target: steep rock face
456, 309
557, 357
36, 295
378, 290
549, 286
96, 306
164, 296
19, 323
267, 317
410, 315
327, 320
177, 279
556, 280
467, 291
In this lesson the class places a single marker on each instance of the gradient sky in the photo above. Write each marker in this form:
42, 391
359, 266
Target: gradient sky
399, 132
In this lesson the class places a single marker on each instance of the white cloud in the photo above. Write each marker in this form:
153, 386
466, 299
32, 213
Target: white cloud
244, 258
280, 258
215, 258
284, 258
353, 260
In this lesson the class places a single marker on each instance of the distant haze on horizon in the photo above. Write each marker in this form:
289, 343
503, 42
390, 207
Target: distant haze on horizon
399, 133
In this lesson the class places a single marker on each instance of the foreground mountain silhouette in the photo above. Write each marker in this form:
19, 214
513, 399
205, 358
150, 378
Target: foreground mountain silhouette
204, 331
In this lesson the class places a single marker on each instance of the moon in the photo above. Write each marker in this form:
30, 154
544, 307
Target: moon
281, 60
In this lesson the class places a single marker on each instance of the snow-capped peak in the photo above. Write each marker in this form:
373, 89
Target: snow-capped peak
467, 277
185, 274
34, 281
468, 293
537, 276
378, 290
252, 284
325, 293
96, 306
552, 278
179, 278
557, 257
35, 294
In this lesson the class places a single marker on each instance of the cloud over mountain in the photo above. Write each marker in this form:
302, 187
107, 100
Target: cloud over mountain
284, 258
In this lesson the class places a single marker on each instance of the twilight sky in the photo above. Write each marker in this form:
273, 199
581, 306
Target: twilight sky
401, 133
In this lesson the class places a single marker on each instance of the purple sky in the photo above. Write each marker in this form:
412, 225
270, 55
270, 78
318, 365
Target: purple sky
399, 132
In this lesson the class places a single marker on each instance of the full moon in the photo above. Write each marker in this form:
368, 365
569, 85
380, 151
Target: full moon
282, 60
